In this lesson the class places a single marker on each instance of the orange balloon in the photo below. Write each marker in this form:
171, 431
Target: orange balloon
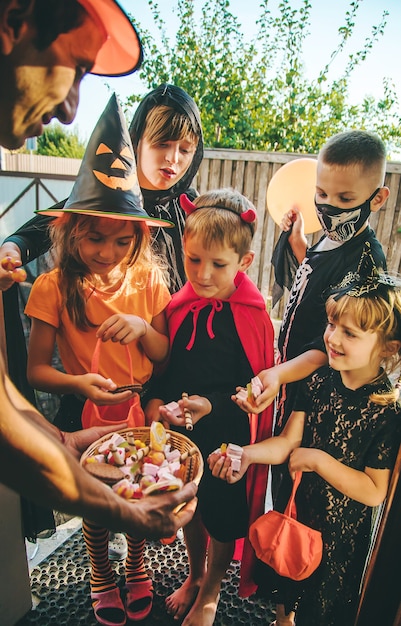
294, 186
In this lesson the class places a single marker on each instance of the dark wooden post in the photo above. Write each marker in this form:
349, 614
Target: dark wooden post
15, 591
380, 601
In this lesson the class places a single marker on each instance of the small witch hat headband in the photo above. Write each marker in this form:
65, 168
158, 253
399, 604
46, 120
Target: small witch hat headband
367, 278
248, 216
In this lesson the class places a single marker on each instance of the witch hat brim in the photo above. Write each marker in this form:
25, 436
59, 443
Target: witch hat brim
149, 221
107, 182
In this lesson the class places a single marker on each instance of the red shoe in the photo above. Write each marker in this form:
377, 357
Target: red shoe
139, 600
109, 608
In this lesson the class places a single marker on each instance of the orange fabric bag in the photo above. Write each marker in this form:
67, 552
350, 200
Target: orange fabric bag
129, 411
289, 547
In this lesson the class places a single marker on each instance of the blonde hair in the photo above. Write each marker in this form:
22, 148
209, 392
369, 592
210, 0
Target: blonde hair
66, 233
213, 224
166, 124
379, 313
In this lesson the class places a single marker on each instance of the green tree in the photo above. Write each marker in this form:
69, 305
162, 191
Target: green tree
55, 141
255, 96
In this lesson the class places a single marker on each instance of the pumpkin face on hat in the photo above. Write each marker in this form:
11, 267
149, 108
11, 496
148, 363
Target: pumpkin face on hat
107, 182
116, 171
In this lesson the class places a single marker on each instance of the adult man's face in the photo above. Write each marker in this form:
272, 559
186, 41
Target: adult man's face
39, 85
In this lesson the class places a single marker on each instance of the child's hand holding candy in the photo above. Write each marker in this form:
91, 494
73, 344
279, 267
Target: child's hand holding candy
229, 462
260, 392
186, 412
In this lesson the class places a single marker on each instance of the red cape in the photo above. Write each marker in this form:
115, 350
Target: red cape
256, 334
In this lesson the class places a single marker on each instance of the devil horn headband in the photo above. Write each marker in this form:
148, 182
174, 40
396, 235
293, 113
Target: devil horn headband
189, 207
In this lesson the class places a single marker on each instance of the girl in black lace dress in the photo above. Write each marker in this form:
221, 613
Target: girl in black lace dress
344, 436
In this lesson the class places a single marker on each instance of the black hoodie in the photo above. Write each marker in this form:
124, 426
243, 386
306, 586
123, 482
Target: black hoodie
165, 204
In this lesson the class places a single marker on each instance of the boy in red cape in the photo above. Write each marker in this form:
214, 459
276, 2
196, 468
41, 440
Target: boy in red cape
220, 335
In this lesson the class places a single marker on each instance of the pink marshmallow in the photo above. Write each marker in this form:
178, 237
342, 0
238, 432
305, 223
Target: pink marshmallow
174, 408
115, 439
172, 456
234, 452
257, 386
117, 455
242, 395
150, 469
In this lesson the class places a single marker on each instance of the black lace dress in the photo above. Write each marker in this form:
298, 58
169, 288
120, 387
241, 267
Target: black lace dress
355, 431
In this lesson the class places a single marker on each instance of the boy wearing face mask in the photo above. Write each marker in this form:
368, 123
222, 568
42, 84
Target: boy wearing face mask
351, 168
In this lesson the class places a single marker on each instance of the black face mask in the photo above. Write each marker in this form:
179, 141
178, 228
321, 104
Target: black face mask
342, 224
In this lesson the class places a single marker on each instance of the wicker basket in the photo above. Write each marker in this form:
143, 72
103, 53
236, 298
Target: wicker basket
193, 464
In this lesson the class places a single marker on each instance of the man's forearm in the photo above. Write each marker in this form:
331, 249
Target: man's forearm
35, 463
42, 469
39, 467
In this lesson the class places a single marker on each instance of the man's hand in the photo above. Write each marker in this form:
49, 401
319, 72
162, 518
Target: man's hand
163, 514
78, 441
152, 517
10, 260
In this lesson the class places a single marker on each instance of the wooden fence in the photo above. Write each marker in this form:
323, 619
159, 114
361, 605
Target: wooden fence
249, 173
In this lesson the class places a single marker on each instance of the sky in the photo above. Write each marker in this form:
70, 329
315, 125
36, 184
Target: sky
326, 18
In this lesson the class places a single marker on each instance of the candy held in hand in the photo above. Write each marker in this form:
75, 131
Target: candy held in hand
187, 415
18, 274
256, 386
249, 392
174, 408
252, 391
234, 453
8, 263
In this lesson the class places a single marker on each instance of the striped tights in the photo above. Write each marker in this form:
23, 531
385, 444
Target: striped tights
102, 574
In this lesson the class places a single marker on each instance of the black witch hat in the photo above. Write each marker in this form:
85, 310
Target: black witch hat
107, 182
368, 278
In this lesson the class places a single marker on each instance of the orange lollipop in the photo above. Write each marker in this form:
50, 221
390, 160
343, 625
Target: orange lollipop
294, 186
8, 264
18, 273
